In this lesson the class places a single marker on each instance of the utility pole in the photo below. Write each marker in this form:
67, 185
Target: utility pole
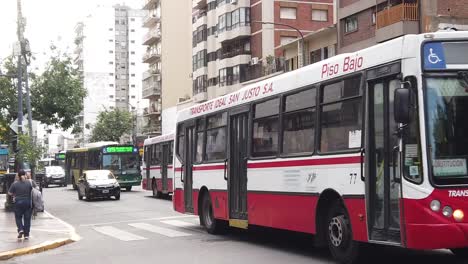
20, 28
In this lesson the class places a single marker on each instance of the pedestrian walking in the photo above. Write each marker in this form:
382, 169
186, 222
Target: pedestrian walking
21, 192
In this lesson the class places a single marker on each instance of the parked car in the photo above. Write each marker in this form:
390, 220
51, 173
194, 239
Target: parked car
54, 175
98, 184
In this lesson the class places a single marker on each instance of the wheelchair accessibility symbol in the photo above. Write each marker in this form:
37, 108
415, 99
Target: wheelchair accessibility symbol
433, 57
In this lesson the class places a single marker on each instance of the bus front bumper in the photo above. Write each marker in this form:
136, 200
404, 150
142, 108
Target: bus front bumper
436, 236
124, 184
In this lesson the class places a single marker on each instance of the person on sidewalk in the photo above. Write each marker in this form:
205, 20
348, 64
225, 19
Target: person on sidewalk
21, 192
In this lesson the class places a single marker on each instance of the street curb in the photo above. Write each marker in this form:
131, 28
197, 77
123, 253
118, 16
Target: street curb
48, 245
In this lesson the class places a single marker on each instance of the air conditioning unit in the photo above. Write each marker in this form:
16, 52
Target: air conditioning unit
254, 61
158, 78
234, 2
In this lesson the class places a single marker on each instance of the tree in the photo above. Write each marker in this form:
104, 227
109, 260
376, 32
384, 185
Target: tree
8, 98
29, 151
57, 94
112, 125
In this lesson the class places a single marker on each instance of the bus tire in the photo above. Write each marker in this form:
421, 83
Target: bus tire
80, 197
340, 236
128, 188
460, 252
212, 225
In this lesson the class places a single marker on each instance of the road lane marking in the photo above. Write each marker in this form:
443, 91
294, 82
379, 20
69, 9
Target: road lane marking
179, 223
117, 233
159, 230
140, 220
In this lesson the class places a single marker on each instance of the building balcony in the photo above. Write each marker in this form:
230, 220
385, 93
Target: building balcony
151, 36
150, 4
154, 110
150, 73
151, 56
397, 21
200, 95
151, 20
398, 13
238, 31
152, 130
151, 87
197, 4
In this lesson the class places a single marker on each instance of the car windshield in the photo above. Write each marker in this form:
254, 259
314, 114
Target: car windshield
99, 175
447, 108
54, 170
121, 163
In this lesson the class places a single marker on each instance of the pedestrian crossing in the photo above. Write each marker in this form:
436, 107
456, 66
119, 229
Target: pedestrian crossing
135, 231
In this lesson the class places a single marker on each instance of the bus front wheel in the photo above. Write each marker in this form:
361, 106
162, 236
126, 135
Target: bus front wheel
340, 236
128, 188
212, 225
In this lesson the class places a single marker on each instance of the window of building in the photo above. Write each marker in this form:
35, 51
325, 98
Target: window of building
111, 74
351, 24
265, 128
132, 30
133, 97
299, 122
111, 40
133, 86
180, 141
319, 15
132, 52
111, 85
200, 138
111, 96
111, 29
132, 63
111, 62
374, 18
111, 51
286, 39
216, 137
132, 19
132, 41
340, 114
288, 13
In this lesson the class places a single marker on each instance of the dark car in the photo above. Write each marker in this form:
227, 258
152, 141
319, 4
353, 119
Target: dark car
54, 175
98, 184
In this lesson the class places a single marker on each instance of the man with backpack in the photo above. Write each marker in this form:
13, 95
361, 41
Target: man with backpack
21, 191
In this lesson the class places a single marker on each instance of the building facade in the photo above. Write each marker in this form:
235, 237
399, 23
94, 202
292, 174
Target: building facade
237, 41
167, 83
363, 23
108, 55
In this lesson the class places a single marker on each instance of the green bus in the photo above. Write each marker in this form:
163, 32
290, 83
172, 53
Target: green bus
122, 160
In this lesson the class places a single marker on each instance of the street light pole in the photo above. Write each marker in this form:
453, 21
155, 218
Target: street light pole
304, 58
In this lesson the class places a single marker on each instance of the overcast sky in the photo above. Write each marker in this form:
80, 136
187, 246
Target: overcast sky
47, 21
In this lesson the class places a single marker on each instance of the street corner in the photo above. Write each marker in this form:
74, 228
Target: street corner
47, 232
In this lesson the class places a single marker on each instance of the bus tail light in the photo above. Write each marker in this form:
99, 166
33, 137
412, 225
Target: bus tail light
458, 215
447, 211
435, 205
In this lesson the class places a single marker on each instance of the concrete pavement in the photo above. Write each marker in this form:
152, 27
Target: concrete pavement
47, 232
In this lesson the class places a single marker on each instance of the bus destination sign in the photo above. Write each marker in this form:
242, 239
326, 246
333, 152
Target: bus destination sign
60, 156
125, 149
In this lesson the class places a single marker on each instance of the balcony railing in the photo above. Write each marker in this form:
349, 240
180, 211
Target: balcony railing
151, 19
395, 14
151, 72
151, 87
150, 4
155, 109
151, 55
151, 36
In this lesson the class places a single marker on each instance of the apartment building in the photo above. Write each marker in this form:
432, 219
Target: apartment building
363, 23
108, 54
167, 83
237, 41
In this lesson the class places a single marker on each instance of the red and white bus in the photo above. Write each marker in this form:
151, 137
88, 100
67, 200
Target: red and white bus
157, 165
367, 146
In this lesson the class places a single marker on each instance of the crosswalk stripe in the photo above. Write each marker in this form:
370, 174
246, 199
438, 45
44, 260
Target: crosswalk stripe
159, 230
179, 223
117, 233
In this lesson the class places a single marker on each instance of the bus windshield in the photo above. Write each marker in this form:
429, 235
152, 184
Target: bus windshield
121, 163
447, 109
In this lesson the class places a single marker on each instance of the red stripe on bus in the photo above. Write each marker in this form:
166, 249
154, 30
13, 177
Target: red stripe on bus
153, 168
211, 167
308, 162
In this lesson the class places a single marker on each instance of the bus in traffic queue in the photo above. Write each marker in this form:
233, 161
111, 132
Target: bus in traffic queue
368, 146
59, 159
122, 160
157, 165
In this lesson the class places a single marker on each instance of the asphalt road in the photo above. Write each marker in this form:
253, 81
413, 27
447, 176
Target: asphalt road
141, 229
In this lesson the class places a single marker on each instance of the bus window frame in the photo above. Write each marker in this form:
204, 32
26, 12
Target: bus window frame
203, 131
251, 128
226, 126
179, 127
363, 87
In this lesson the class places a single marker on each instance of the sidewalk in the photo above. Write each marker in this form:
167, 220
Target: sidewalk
47, 232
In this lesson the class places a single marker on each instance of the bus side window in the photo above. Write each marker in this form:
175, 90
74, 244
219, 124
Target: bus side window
180, 141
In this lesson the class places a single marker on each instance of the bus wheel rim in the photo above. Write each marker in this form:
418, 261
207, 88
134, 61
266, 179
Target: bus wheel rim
208, 214
336, 231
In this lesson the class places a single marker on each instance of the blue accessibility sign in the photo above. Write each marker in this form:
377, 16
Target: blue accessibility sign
434, 57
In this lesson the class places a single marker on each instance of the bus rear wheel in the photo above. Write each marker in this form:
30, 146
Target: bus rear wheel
340, 236
460, 252
212, 225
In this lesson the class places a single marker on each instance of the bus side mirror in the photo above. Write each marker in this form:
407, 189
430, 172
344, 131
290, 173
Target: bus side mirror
402, 105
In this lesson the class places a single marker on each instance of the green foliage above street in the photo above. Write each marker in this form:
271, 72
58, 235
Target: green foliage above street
57, 94
8, 99
29, 151
112, 125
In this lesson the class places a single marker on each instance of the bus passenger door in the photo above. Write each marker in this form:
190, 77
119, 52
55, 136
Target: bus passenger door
237, 177
382, 158
148, 151
164, 162
188, 167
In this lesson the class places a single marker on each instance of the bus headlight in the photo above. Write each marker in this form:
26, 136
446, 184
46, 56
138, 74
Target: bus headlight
458, 215
435, 205
447, 211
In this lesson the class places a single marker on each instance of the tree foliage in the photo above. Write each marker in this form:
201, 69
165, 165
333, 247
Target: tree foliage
29, 151
112, 125
57, 94
8, 98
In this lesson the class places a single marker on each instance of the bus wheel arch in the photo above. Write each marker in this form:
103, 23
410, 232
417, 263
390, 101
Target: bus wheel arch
154, 188
203, 191
206, 214
326, 200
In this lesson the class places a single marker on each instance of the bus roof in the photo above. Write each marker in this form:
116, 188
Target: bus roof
159, 139
326, 70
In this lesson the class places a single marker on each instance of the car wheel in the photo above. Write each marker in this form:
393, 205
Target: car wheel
117, 197
212, 225
80, 197
460, 252
340, 236
128, 188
